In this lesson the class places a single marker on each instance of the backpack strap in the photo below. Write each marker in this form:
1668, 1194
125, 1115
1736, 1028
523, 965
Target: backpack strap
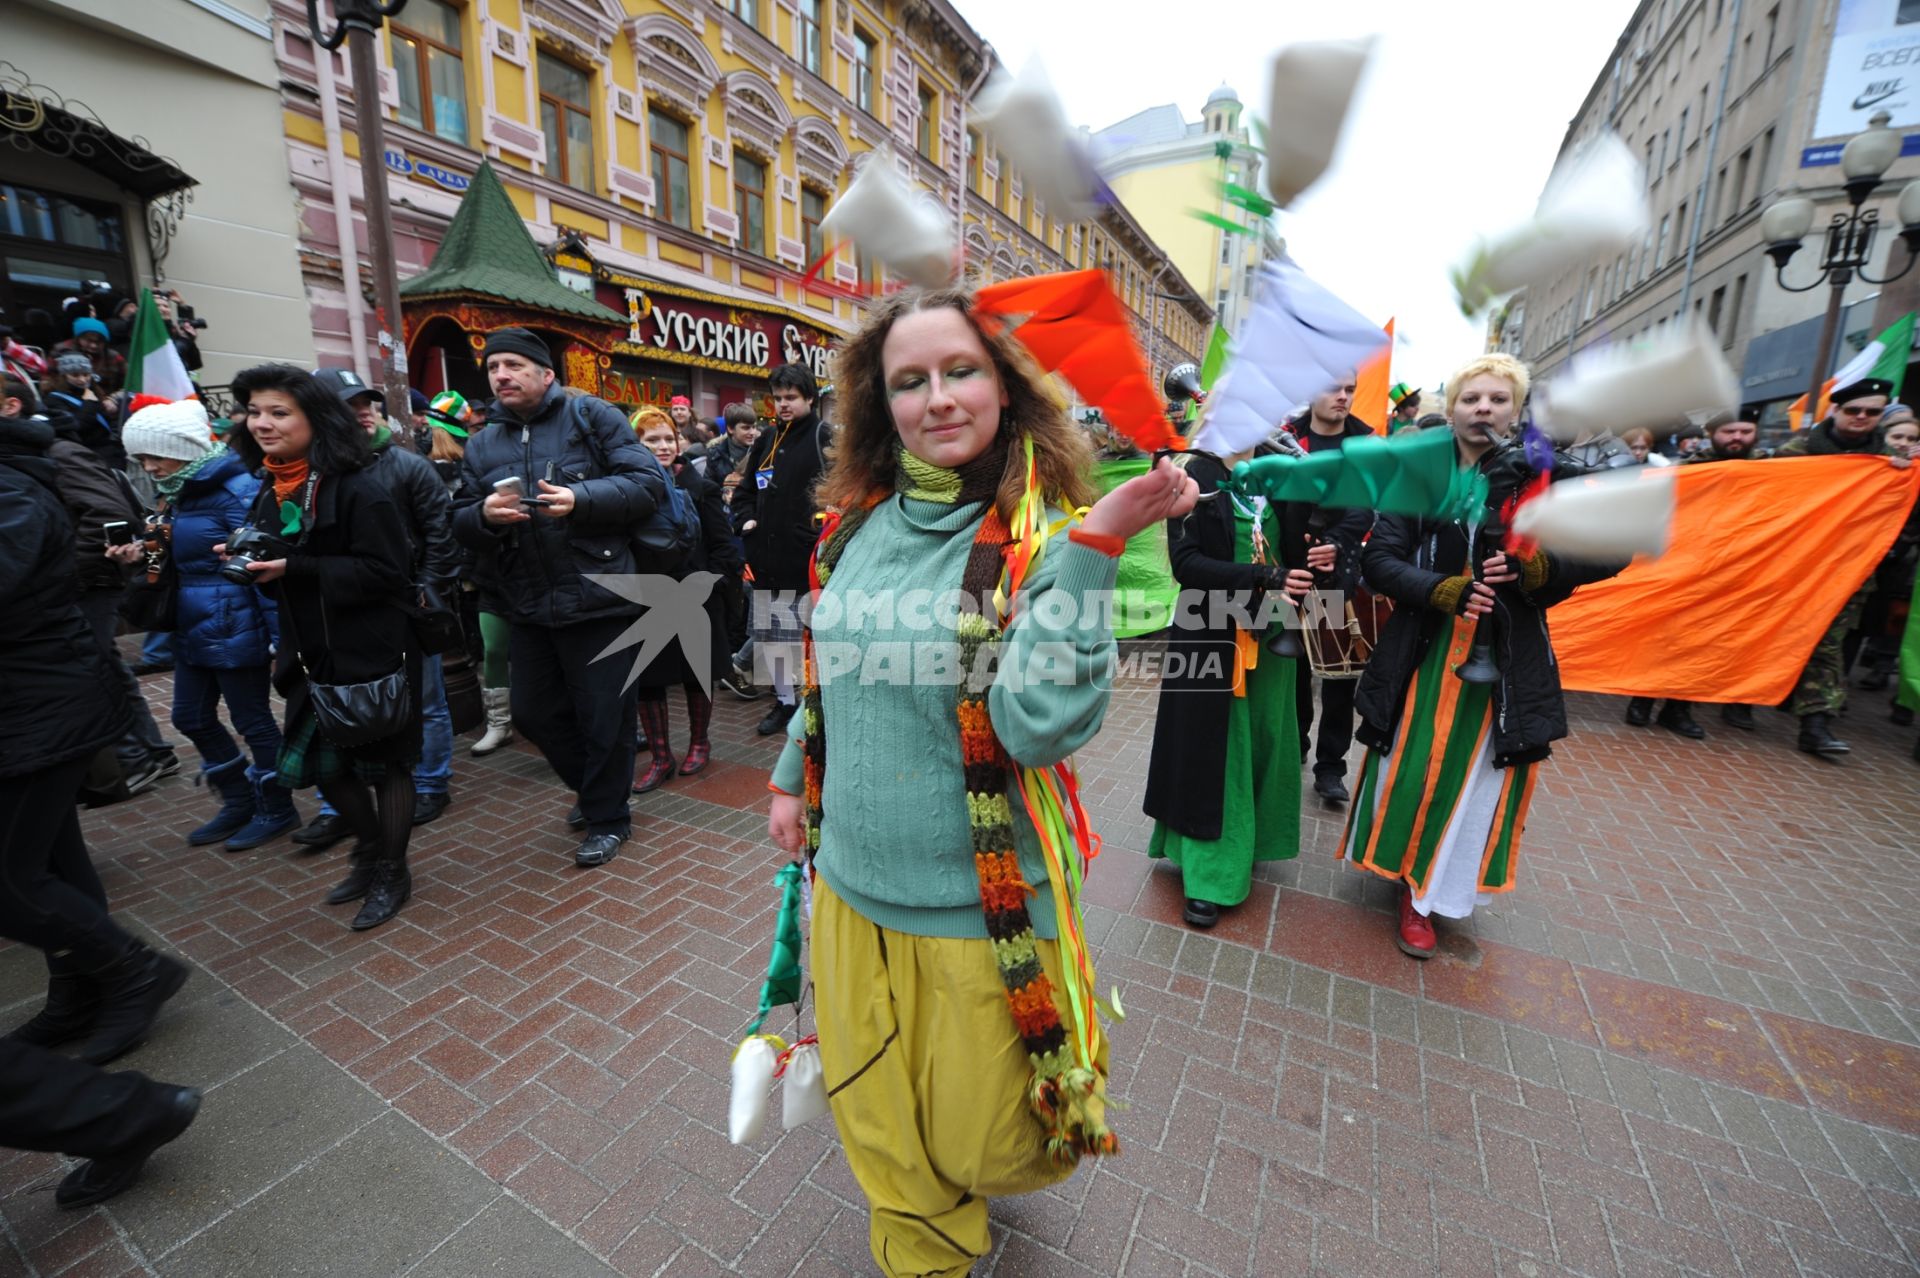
584, 424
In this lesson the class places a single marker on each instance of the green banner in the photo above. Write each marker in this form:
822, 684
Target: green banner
1412, 473
1144, 594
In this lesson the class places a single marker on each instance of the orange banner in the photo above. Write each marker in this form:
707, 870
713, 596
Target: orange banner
1372, 385
1763, 556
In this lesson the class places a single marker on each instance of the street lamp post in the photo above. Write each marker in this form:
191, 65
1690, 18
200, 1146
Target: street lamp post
365, 17
1849, 246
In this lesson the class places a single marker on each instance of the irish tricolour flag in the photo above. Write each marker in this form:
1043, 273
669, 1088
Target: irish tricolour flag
1885, 356
153, 365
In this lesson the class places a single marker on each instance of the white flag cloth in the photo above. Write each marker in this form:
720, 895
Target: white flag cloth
1658, 384
1313, 86
1604, 518
881, 216
1298, 340
1022, 116
753, 1066
1594, 208
154, 366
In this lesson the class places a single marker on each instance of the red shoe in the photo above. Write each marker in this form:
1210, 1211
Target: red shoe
696, 758
1416, 936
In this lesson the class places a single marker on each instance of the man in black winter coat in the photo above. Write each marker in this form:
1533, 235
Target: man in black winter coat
104, 987
423, 500
1334, 539
95, 496
582, 484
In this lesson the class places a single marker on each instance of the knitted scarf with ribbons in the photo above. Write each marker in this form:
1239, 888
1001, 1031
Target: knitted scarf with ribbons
1066, 1094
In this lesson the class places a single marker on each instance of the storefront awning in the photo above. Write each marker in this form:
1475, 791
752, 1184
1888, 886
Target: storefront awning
34, 117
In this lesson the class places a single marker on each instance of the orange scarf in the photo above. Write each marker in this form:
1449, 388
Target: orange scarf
287, 477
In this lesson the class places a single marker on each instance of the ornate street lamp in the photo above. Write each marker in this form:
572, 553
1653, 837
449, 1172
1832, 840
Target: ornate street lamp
1864, 161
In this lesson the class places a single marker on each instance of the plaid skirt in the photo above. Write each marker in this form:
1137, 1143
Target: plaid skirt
307, 758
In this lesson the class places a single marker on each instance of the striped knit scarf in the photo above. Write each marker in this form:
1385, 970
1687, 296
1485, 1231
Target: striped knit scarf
1064, 1098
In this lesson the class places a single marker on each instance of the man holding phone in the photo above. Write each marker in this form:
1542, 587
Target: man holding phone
549, 494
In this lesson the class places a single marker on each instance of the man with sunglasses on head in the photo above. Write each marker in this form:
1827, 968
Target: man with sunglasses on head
1851, 429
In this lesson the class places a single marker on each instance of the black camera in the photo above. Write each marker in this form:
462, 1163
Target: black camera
251, 546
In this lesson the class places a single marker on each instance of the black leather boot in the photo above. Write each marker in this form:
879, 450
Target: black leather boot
359, 877
1817, 738
1640, 711
72, 1003
132, 990
391, 886
1677, 717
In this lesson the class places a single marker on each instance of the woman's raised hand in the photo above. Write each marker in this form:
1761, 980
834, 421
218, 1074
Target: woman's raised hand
1165, 492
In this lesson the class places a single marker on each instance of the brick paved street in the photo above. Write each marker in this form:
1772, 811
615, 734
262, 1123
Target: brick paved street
1688, 1043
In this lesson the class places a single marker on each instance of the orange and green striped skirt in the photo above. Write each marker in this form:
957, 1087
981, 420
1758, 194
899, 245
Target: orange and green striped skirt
1437, 798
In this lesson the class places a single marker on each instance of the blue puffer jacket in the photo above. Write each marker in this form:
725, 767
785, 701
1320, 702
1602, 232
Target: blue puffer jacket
219, 624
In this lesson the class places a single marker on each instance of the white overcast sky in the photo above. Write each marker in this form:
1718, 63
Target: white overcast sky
1457, 125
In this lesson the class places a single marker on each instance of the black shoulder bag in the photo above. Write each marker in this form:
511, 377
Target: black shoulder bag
352, 714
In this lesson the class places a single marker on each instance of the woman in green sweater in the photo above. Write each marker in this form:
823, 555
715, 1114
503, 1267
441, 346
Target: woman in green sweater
939, 988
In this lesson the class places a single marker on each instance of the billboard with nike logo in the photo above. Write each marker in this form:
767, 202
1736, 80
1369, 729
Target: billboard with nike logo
1872, 66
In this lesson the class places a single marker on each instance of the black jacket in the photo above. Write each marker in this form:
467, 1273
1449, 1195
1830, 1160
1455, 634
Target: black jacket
1196, 689
89, 423
428, 510
94, 495
535, 572
781, 541
1405, 560
1302, 524
724, 456
58, 702
346, 597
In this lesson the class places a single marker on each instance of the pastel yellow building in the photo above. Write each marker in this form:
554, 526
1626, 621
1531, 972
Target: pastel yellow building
1163, 167
687, 150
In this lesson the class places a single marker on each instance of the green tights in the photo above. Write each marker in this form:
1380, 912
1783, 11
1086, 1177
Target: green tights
493, 637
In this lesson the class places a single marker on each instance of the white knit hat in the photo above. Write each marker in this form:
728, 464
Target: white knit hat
180, 430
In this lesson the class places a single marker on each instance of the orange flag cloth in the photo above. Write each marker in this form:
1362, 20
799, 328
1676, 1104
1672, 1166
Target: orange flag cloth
1763, 556
1075, 326
1372, 386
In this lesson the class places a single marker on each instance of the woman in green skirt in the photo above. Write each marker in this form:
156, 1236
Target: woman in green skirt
1451, 764
1223, 785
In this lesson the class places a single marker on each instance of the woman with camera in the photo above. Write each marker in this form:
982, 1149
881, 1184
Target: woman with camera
326, 538
224, 633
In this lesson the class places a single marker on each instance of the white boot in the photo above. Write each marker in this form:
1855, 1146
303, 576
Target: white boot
499, 722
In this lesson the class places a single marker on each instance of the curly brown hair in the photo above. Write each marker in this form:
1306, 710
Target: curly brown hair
863, 458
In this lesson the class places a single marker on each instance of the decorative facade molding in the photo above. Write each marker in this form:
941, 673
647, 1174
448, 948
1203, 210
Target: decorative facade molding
819, 152
636, 186
511, 136
580, 27
755, 113
510, 43
674, 68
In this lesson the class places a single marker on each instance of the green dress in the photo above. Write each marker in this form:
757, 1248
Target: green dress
1260, 808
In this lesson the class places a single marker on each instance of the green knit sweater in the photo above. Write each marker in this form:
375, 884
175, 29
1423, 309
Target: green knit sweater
894, 840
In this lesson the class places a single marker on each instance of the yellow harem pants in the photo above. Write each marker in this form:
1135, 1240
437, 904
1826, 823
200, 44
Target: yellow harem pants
928, 1084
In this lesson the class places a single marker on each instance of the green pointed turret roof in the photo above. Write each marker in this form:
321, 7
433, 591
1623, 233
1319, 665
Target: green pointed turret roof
488, 252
